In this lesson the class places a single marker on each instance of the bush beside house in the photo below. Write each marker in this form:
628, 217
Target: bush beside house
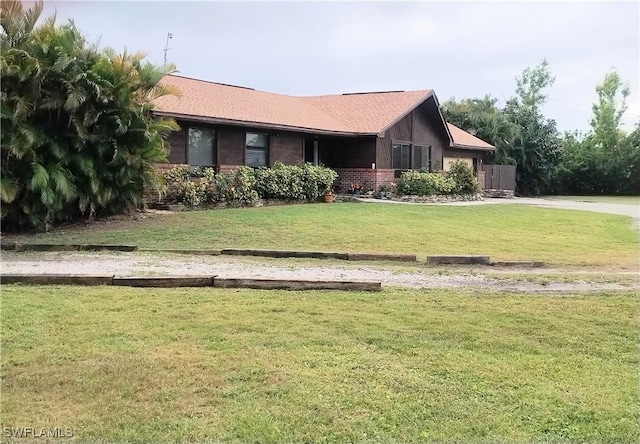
460, 180
245, 185
202, 187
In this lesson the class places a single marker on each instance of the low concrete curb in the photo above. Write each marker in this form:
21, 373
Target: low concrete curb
182, 251
284, 253
66, 247
56, 279
382, 257
186, 281
433, 259
524, 264
458, 260
165, 281
275, 284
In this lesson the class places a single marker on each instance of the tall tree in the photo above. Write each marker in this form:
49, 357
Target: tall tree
608, 112
537, 146
606, 141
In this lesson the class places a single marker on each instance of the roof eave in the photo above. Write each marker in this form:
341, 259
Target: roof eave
472, 147
263, 125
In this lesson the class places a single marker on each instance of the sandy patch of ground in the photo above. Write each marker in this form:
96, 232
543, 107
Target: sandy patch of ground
147, 264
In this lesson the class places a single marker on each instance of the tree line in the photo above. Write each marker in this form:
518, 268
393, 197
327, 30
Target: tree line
605, 160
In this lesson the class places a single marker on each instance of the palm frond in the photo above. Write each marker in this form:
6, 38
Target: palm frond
8, 189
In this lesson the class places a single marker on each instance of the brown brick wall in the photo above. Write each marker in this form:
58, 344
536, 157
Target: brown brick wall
231, 142
226, 169
177, 141
162, 167
286, 147
368, 178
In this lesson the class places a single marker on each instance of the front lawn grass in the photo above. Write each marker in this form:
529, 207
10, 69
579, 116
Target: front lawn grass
505, 232
622, 200
187, 365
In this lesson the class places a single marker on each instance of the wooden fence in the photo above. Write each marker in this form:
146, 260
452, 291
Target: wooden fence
500, 177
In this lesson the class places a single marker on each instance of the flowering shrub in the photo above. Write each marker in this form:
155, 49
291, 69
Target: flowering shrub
197, 186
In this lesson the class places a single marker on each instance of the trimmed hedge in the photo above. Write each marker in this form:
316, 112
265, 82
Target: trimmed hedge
415, 183
460, 179
200, 186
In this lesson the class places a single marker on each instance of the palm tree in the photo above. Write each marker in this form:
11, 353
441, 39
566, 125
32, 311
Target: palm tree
78, 135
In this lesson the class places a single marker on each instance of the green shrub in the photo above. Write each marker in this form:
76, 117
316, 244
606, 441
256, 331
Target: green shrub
306, 182
463, 177
196, 186
424, 184
193, 192
241, 187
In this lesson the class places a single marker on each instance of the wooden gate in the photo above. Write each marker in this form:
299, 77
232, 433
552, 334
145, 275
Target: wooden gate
500, 177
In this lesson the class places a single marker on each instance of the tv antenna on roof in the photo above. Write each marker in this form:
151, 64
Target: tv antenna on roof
166, 46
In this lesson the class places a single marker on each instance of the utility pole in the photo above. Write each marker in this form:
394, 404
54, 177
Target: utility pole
166, 46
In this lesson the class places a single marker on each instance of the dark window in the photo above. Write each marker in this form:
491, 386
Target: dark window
401, 156
417, 157
201, 145
257, 146
421, 155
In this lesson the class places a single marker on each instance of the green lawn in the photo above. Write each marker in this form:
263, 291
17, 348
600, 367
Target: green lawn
160, 365
502, 231
623, 200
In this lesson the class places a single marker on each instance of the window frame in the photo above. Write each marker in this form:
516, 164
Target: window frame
266, 147
414, 148
402, 144
412, 155
214, 145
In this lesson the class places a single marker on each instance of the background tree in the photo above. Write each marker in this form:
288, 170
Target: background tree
483, 119
519, 131
78, 137
537, 147
606, 160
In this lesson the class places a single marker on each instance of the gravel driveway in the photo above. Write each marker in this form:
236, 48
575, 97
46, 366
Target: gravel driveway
147, 264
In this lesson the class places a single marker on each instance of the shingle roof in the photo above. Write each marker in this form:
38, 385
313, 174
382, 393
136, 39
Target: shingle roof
218, 101
462, 139
358, 113
368, 112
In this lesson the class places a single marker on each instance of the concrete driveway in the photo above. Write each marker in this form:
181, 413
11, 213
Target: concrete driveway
597, 207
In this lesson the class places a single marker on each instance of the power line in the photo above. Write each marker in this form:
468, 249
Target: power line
586, 106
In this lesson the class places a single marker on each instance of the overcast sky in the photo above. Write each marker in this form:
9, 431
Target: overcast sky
460, 50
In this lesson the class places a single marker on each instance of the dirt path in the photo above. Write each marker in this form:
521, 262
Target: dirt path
146, 264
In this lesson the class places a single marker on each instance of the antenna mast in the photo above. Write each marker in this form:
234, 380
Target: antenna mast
166, 46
